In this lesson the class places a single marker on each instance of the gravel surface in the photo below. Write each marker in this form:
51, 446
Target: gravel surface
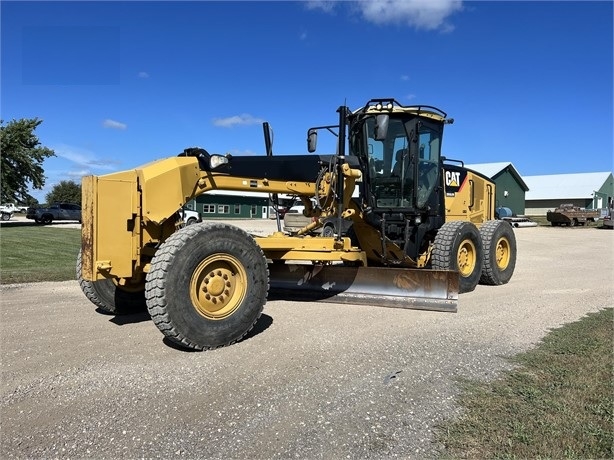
312, 380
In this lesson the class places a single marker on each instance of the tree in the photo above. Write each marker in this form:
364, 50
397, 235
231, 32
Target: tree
66, 191
22, 159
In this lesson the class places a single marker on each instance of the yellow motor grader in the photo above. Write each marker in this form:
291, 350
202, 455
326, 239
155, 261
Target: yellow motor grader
417, 229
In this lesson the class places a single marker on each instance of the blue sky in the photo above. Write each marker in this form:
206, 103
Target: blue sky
119, 84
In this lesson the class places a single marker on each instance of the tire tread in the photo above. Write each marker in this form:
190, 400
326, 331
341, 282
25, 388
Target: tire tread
155, 290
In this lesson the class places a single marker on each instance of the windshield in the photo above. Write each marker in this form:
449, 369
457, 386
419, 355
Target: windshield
403, 168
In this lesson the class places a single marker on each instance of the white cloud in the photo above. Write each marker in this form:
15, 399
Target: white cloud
108, 123
84, 159
143, 75
303, 36
405, 77
80, 173
243, 119
324, 5
410, 97
420, 14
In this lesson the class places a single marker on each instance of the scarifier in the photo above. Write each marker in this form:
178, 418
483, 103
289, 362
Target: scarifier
422, 229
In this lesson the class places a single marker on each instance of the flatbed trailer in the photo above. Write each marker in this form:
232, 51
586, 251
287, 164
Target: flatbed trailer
570, 215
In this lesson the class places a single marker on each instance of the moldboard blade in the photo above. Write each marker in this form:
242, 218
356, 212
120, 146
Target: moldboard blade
419, 289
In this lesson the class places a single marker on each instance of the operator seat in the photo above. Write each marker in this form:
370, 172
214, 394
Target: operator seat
402, 163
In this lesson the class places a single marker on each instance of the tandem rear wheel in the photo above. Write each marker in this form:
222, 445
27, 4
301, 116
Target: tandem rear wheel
499, 243
484, 256
207, 285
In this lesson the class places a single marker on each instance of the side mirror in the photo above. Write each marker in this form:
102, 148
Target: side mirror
312, 140
381, 127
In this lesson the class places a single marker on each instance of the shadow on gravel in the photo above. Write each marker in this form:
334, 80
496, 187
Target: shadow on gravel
134, 318
263, 323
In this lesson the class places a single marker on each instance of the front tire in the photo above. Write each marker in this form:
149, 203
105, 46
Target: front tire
458, 247
109, 297
207, 285
500, 251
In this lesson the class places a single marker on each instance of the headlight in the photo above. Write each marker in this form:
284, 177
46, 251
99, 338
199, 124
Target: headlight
217, 160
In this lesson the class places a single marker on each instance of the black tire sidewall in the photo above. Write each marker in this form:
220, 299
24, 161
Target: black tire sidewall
462, 231
189, 323
328, 231
495, 276
469, 232
108, 297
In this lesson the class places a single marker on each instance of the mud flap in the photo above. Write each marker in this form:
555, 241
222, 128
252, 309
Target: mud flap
435, 290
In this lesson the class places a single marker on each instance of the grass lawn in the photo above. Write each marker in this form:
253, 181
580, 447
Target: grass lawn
35, 253
559, 402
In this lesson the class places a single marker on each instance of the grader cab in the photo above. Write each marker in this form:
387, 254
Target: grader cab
420, 229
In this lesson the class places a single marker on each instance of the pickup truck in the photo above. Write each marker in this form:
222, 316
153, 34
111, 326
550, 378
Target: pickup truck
56, 211
9, 209
71, 211
189, 217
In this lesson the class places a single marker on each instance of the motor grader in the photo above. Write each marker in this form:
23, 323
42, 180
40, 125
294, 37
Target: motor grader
422, 229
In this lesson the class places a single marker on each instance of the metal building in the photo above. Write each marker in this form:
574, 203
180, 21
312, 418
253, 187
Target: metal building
509, 185
224, 204
586, 190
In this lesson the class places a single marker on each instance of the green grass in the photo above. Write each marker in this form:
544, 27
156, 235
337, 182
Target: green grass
557, 404
35, 253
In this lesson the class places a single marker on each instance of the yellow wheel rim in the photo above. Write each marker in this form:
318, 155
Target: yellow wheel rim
466, 258
503, 253
218, 286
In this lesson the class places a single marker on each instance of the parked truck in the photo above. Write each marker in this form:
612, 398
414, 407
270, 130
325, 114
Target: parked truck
55, 211
8, 209
570, 215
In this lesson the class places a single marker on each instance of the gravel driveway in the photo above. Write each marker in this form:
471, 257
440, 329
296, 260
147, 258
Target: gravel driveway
311, 381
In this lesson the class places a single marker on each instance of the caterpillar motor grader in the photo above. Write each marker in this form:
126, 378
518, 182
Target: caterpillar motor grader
422, 229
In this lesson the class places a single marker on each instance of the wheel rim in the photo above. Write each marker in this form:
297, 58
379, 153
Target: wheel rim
218, 286
503, 253
328, 231
466, 259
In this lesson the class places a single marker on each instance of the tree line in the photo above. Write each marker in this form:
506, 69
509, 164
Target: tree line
21, 166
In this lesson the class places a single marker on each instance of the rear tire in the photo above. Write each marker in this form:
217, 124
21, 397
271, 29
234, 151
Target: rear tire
500, 251
109, 297
207, 285
328, 231
458, 247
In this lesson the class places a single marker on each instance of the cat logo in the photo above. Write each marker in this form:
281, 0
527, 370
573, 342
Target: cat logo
452, 178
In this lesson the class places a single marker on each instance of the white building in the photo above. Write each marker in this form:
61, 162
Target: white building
586, 190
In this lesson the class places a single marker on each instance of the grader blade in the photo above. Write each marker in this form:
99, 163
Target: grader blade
434, 290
